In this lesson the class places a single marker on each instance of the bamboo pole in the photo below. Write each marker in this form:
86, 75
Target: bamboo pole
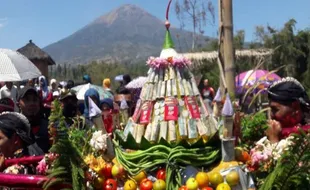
228, 46
226, 55
223, 85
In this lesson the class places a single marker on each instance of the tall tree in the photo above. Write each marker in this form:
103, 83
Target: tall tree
64, 74
194, 13
239, 39
291, 49
58, 71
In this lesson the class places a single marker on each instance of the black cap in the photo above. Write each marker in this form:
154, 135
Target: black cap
22, 92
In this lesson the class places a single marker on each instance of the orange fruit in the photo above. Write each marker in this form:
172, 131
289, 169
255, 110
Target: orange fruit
232, 178
216, 178
246, 157
202, 179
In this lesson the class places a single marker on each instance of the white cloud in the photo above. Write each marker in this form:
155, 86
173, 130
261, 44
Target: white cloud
3, 22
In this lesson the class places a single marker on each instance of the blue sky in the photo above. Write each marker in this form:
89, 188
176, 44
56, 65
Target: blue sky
47, 21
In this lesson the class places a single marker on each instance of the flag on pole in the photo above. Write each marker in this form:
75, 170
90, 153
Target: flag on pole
93, 109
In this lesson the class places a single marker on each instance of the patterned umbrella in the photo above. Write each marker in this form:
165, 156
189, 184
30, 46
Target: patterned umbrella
81, 89
16, 67
247, 79
137, 83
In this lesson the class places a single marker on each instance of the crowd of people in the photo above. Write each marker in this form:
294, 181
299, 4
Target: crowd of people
26, 107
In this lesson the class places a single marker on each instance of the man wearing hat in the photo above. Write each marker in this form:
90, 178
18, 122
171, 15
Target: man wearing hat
30, 105
69, 103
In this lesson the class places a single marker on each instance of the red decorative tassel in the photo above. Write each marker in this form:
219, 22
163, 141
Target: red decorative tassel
23, 161
26, 181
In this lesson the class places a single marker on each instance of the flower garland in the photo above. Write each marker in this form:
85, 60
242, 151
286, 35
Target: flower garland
265, 153
157, 62
45, 163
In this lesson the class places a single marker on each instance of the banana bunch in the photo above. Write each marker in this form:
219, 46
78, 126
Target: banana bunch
174, 159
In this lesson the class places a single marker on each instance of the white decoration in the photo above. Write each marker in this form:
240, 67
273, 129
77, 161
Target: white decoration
166, 53
99, 141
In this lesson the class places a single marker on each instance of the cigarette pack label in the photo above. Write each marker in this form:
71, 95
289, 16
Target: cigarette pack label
192, 106
137, 112
146, 112
171, 109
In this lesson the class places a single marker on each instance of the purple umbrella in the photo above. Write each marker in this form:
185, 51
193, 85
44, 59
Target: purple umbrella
249, 78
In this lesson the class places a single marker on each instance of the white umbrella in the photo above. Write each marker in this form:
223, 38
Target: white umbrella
16, 67
137, 83
81, 89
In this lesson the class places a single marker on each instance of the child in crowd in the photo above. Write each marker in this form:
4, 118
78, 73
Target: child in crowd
109, 114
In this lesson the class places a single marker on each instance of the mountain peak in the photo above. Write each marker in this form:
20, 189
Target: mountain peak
130, 8
126, 34
122, 12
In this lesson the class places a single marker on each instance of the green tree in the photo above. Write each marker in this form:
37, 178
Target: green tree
286, 45
59, 71
64, 74
239, 39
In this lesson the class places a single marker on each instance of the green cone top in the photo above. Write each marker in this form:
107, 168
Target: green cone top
168, 43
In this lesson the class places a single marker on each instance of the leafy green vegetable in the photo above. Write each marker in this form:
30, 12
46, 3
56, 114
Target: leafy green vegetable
68, 167
253, 128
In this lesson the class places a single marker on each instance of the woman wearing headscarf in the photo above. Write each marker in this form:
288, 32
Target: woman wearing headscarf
290, 109
106, 84
45, 95
108, 114
86, 79
16, 139
53, 85
94, 95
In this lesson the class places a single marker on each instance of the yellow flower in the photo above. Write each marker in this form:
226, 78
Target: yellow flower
89, 159
100, 164
96, 164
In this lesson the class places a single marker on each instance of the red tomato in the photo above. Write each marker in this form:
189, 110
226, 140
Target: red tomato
110, 184
107, 170
146, 184
161, 174
207, 188
183, 188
